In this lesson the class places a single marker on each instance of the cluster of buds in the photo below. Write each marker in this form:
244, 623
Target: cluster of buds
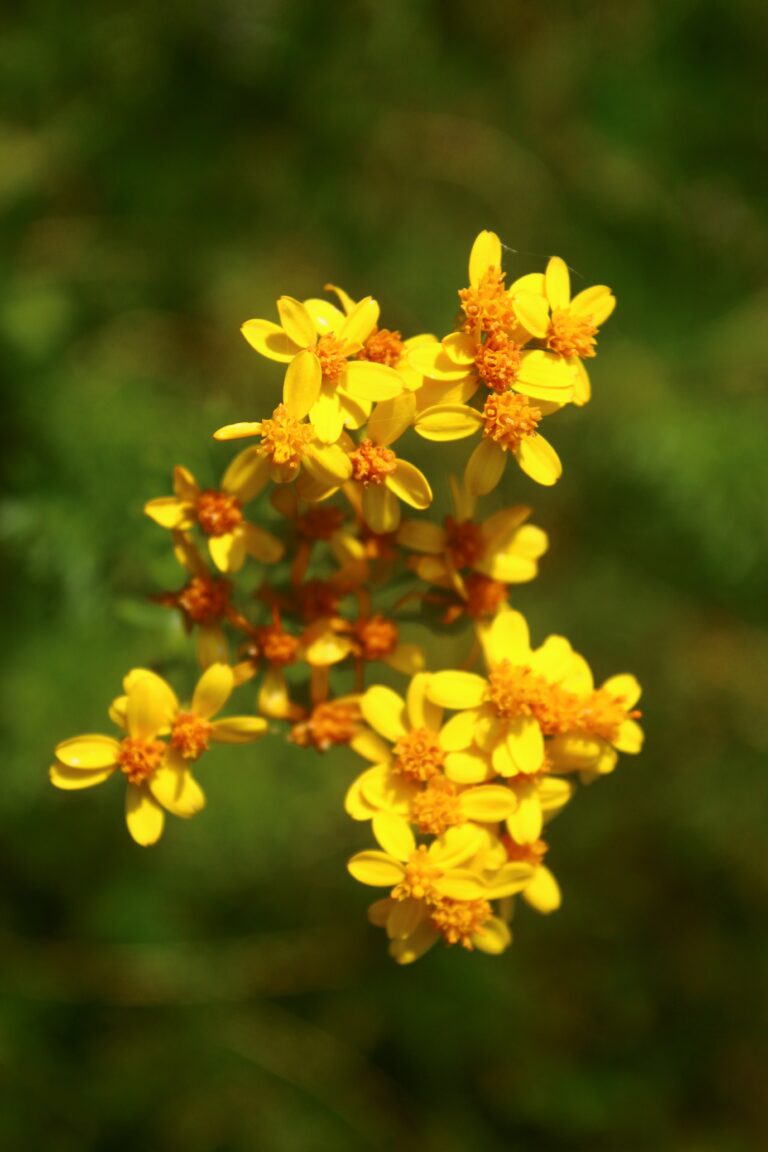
465, 766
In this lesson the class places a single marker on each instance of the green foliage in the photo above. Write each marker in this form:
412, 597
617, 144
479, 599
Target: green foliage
167, 170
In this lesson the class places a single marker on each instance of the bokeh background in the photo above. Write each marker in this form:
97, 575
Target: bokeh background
166, 170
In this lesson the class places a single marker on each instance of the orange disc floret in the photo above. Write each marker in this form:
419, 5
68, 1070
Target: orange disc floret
418, 755
217, 512
276, 646
204, 600
139, 759
436, 808
484, 595
532, 853
460, 920
497, 363
190, 735
371, 463
487, 306
384, 346
332, 356
463, 542
516, 690
419, 879
602, 714
335, 722
509, 419
571, 335
376, 637
284, 438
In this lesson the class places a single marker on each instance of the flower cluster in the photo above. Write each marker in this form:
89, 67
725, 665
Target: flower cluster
307, 566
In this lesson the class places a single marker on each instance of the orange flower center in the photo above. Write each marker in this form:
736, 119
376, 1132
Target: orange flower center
190, 735
320, 523
332, 356
532, 853
602, 715
218, 512
464, 541
418, 755
516, 690
277, 646
436, 808
487, 307
328, 724
138, 759
497, 362
204, 600
509, 419
377, 637
383, 347
419, 879
371, 464
484, 595
460, 920
571, 335
284, 438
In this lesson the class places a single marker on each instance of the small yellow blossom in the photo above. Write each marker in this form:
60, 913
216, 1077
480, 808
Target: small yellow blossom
573, 323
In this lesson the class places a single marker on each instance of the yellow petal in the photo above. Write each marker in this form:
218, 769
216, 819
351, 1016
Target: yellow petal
174, 786
360, 322
461, 884
457, 690
326, 317
525, 743
538, 459
460, 347
543, 891
246, 475
238, 431
297, 322
270, 340
410, 485
384, 711
376, 869
630, 737
597, 303
381, 509
625, 686
326, 415
370, 746
414, 947
525, 823
185, 487
422, 536
485, 468
345, 299
532, 312
169, 512
367, 380
554, 794
88, 752
213, 690
378, 912
228, 551
404, 918
493, 938
485, 254
393, 835
506, 638
469, 767
448, 422
408, 659
531, 282
488, 803
557, 283
456, 846
71, 779
273, 699
421, 712
238, 729
508, 880
434, 362
149, 709
262, 545
143, 815
328, 464
582, 389
458, 733
573, 751
390, 418
301, 386
355, 803
387, 791
545, 377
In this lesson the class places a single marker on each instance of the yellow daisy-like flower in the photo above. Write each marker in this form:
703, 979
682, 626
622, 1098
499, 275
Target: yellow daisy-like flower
323, 380
413, 928
602, 724
218, 512
574, 323
542, 891
158, 770
204, 602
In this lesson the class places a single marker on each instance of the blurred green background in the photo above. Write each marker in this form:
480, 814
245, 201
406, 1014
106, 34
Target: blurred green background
166, 170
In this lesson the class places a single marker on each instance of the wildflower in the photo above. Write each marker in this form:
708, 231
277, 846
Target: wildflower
542, 891
322, 380
383, 479
329, 723
414, 928
162, 741
218, 513
602, 723
574, 323
205, 602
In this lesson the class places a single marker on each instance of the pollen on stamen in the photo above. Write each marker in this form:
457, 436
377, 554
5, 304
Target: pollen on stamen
487, 307
571, 335
516, 690
372, 463
332, 356
418, 755
497, 363
190, 735
139, 759
437, 807
419, 879
376, 636
276, 646
332, 723
204, 600
384, 346
217, 512
284, 439
509, 419
459, 920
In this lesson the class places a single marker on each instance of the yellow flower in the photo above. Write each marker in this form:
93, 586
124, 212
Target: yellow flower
204, 602
489, 307
157, 770
323, 381
573, 324
603, 723
218, 513
415, 926
542, 891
